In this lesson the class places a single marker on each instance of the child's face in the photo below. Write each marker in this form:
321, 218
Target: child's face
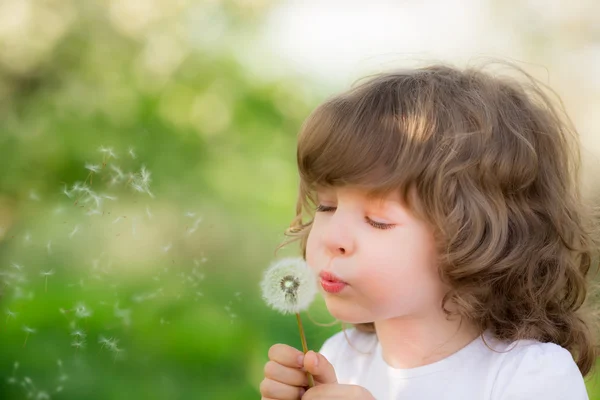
389, 272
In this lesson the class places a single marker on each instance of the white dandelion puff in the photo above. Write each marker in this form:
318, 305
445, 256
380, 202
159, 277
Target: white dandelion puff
289, 285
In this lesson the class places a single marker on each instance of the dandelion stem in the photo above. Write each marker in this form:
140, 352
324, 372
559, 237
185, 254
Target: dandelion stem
311, 381
46, 286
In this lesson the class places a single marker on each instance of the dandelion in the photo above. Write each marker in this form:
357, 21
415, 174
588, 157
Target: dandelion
289, 286
46, 274
27, 330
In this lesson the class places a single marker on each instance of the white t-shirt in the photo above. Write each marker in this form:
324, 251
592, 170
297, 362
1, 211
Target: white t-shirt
529, 370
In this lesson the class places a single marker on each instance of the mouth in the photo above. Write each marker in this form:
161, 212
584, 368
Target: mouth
331, 283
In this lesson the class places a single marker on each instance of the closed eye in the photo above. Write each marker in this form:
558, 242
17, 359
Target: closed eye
375, 224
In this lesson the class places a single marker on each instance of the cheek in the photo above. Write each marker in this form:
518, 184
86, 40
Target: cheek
310, 250
403, 273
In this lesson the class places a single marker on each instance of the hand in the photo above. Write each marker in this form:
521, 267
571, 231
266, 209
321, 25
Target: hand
326, 386
284, 377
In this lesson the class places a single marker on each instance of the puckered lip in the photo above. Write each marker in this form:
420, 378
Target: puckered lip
329, 276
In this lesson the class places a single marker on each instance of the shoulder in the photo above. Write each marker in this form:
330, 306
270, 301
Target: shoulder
348, 343
532, 370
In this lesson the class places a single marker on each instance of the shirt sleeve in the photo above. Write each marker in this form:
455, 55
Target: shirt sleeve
541, 371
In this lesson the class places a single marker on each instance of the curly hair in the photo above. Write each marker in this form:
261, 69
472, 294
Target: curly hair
491, 162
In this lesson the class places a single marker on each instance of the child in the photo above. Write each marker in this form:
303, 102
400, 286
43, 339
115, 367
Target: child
448, 227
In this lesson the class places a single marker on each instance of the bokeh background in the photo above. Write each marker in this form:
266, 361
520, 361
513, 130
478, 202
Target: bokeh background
147, 169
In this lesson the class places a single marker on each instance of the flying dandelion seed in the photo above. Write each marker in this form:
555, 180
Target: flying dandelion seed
10, 314
73, 232
82, 311
131, 152
42, 396
49, 247
28, 331
93, 168
289, 286
148, 213
166, 248
17, 266
79, 334
78, 344
67, 193
34, 196
46, 274
13, 379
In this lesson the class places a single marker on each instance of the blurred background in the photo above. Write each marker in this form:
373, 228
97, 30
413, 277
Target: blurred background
147, 158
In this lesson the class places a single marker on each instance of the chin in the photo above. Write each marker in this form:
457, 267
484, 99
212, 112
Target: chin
347, 313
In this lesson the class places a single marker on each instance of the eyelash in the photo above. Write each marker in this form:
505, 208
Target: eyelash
374, 224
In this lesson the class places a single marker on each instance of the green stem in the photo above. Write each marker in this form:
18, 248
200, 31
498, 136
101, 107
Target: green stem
311, 381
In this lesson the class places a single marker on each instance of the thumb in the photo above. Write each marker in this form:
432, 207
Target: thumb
319, 367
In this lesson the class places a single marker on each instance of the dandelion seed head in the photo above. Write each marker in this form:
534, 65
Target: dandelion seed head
289, 285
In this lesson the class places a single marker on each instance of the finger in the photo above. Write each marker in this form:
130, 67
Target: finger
320, 368
289, 376
280, 391
334, 391
286, 355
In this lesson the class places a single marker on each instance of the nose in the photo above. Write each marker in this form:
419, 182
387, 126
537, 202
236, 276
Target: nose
337, 237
